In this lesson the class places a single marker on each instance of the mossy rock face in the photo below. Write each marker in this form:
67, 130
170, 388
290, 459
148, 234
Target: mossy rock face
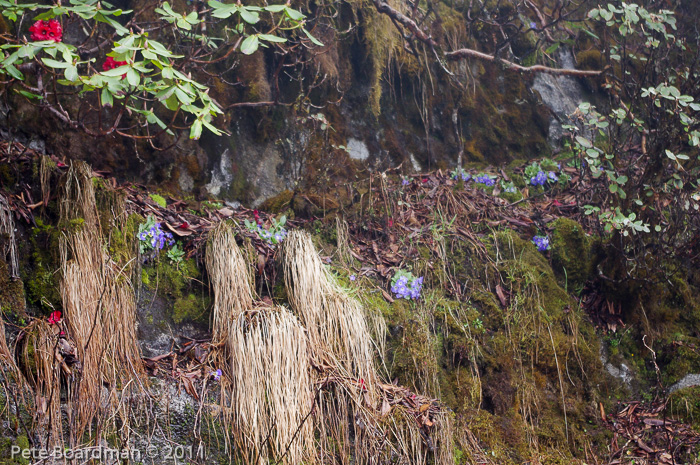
6, 450
191, 308
684, 404
11, 293
590, 60
282, 202
571, 252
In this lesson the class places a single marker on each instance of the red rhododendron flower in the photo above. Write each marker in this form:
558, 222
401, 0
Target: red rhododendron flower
55, 317
47, 30
110, 63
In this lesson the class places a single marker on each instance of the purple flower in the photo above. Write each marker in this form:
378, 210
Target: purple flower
542, 243
539, 179
407, 287
216, 375
485, 179
405, 182
552, 176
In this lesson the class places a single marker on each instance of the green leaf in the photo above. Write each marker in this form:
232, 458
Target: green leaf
14, 72
29, 95
312, 38
106, 97
272, 38
622, 180
613, 188
248, 16
250, 45
183, 97
593, 153
71, 73
182, 24
119, 71
196, 130
670, 155
211, 127
584, 142
55, 64
133, 77
167, 72
293, 14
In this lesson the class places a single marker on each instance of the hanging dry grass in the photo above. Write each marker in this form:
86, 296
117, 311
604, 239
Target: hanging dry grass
342, 349
270, 390
230, 278
98, 304
335, 322
7, 237
267, 389
37, 350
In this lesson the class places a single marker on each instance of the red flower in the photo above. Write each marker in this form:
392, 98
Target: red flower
363, 387
46, 30
391, 223
55, 317
110, 63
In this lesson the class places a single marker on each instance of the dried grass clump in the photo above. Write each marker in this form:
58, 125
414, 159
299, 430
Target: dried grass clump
412, 445
267, 388
6, 359
98, 304
230, 277
270, 390
342, 349
37, 352
7, 237
335, 322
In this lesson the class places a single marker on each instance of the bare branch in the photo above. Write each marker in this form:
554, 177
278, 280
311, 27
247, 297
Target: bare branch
418, 33
470, 53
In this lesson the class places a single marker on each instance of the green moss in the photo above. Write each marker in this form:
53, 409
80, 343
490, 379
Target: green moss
11, 294
6, 445
279, 203
40, 269
571, 253
684, 404
170, 279
7, 176
160, 200
511, 197
123, 241
190, 308
590, 60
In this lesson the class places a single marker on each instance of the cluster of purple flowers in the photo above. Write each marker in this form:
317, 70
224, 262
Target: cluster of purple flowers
459, 173
407, 287
542, 243
539, 180
272, 237
156, 237
485, 179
